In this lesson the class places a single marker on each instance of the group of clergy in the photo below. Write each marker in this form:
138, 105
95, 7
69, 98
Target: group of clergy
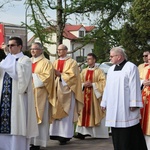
40, 100
63, 97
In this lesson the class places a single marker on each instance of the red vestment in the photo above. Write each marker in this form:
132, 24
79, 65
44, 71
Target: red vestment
145, 111
87, 99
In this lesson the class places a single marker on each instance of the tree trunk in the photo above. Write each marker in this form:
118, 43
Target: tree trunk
60, 23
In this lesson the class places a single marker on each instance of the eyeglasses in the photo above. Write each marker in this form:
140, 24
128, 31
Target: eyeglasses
145, 55
112, 56
11, 45
60, 49
35, 49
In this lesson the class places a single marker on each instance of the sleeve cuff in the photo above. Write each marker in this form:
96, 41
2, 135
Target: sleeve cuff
96, 92
37, 81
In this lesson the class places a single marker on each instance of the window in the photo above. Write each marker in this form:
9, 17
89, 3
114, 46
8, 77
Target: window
81, 33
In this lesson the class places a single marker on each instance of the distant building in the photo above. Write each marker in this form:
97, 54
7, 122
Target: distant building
10, 30
72, 33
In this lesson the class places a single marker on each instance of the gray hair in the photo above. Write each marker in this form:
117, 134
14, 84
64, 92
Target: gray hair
120, 51
39, 45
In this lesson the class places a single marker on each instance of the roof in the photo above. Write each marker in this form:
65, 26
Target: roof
68, 28
11, 25
89, 28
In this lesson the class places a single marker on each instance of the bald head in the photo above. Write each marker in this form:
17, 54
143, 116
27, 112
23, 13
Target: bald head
62, 50
62, 46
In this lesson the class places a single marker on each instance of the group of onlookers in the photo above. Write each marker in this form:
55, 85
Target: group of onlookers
40, 100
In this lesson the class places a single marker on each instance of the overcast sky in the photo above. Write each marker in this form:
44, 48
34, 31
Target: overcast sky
15, 13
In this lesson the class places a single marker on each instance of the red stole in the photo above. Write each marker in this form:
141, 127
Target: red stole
60, 65
33, 66
145, 111
146, 65
87, 99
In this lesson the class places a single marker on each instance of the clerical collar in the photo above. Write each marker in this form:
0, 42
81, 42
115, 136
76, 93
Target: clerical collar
120, 66
62, 58
91, 67
146, 64
35, 59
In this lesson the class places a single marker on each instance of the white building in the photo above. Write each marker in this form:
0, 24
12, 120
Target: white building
71, 35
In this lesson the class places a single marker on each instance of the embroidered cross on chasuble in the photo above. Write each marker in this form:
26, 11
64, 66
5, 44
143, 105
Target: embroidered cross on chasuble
5, 105
87, 99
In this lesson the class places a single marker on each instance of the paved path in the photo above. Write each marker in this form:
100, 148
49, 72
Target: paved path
77, 144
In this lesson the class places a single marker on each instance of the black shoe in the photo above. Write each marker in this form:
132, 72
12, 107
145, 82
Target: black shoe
110, 133
62, 142
79, 136
35, 147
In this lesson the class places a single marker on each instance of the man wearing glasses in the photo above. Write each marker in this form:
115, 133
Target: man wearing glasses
69, 97
44, 93
17, 109
122, 102
143, 65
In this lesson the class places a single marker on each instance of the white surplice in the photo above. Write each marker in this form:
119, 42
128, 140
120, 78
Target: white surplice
23, 116
96, 132
126, 93
43, 127
65, 126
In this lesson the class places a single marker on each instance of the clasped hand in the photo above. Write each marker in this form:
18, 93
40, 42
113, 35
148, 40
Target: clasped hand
87, 84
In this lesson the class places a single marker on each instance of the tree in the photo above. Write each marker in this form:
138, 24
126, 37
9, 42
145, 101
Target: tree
136, 31
105, 34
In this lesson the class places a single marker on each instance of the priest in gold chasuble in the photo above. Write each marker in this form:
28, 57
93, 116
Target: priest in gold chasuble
69, 102
44, 93
92, 120
142, 66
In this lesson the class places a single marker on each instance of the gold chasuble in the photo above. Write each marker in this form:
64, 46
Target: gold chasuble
44, 69
141, 69
92, 114
71, 75
145, 111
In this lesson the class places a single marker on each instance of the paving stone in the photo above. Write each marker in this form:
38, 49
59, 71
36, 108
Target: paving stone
77, 144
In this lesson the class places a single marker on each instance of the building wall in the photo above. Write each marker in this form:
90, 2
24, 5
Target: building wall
71, 45
52, 47
11, 30
83, 51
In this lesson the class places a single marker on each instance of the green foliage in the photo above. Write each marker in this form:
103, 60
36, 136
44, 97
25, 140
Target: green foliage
136, 32
110, 16
141, 14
